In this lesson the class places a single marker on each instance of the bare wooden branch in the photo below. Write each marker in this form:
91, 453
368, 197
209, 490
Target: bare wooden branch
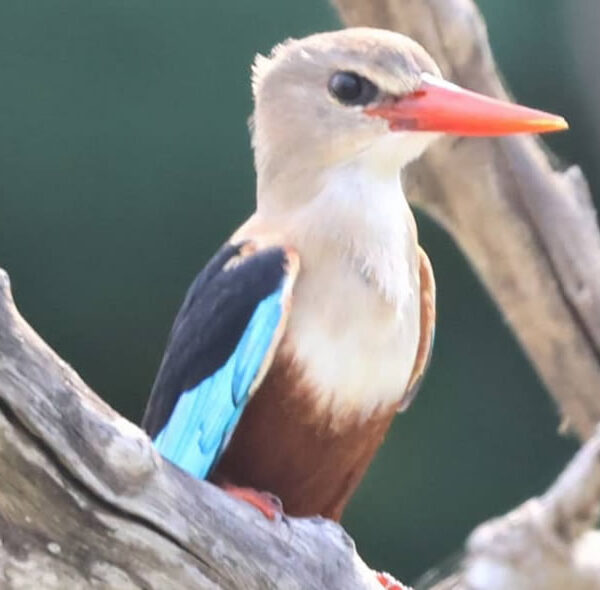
86, 502
546, 542
530, 231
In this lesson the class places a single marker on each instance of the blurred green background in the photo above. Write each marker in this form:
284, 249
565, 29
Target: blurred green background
125, 162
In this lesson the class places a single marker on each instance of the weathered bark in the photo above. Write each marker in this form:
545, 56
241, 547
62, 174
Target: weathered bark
86, 502
546, 543
529, 231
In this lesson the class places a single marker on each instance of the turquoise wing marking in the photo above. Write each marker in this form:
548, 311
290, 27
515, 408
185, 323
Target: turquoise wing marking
206, 415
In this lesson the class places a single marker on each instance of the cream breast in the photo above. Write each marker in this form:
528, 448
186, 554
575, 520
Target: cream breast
354, 324
356, 348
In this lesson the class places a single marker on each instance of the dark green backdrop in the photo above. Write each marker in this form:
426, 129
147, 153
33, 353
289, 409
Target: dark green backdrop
125, 161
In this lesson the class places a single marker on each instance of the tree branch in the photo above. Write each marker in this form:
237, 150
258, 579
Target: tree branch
529, 230
547, 542
85, 501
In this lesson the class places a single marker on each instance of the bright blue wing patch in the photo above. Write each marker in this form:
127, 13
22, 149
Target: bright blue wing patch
205, 416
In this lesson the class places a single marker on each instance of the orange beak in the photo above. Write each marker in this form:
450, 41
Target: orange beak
444, 107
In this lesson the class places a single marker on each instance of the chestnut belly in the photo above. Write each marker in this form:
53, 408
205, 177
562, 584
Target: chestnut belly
281, 445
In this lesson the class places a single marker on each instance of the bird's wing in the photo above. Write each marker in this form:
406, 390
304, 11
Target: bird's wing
222, 343
427, 331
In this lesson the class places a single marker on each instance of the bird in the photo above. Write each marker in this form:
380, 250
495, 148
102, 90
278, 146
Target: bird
312, 326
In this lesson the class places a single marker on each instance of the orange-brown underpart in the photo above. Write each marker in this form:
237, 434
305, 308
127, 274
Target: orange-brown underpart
283, 445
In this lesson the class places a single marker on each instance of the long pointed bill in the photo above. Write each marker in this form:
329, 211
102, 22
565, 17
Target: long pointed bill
444, 107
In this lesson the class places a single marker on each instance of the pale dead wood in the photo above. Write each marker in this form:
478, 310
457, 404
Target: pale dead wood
86, 502
529, 230
547, 542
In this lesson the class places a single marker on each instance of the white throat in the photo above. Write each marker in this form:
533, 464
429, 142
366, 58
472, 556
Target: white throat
361, 214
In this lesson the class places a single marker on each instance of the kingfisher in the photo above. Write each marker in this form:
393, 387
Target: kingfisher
312, 326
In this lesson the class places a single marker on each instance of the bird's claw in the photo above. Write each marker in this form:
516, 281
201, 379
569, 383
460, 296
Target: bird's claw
389, 582
269, 504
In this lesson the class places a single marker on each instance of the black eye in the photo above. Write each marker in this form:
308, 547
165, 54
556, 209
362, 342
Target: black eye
351, 89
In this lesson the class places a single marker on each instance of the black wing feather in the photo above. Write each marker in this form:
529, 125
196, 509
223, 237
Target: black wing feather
212, 319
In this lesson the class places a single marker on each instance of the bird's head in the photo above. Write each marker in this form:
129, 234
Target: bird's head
339, 97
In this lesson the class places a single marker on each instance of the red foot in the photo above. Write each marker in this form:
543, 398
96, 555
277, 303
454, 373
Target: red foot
389, 582
268, 504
